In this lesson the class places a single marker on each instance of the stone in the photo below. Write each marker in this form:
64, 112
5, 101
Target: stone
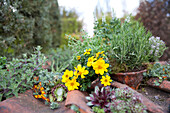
77, 98
151, 107
26, 103
165, 85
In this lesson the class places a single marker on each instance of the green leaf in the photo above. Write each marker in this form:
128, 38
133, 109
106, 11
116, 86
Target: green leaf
75, 108
54, 105
15, 92
1, 96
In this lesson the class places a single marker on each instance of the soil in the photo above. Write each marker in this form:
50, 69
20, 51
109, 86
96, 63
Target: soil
138, 69
158, 96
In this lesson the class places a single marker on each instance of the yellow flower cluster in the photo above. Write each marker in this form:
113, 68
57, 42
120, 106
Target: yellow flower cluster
100, 67
81, 72
87, 52
72, 84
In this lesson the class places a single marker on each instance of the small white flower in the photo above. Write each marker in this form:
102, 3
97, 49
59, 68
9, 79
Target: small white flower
161, 41
153, 46
158, 38
152, 37
156, 52
157, 44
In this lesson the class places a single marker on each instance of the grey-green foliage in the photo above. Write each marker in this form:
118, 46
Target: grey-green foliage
47, 79
125, 101
3, 61
19, 75
97, 109
78, 47
127, 42
60, 58
54, 105
28, 23
75, 108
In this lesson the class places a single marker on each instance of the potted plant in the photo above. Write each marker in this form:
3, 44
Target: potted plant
129, 47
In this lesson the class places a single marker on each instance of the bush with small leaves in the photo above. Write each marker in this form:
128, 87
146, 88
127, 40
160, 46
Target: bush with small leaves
20, 74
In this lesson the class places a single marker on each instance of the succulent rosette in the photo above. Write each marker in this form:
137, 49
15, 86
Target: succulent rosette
58, 92
115, 100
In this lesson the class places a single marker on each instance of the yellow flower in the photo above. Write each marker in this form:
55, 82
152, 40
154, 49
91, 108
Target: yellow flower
106, 80
90, 61
78, 57
87, 51
67, 75
72, 84
97, 54
100, 67
80, 71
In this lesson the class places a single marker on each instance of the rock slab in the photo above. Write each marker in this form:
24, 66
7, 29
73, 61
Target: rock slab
77, 98
151, 107
26, 103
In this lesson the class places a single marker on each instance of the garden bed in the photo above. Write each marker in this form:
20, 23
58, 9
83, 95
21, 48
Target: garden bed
28, 104
159, 97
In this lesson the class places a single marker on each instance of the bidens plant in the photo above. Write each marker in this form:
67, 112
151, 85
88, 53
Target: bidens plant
90, 66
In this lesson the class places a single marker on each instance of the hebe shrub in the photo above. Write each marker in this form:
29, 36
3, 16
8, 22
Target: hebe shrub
18, 74
28, 23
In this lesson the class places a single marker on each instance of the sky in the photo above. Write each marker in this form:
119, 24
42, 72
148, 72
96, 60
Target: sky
86, 8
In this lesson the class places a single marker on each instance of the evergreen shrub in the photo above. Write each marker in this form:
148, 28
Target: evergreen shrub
27, 23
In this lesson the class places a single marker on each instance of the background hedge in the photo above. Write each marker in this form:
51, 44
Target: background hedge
28, 23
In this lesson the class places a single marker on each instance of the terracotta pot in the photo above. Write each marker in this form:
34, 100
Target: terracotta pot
132, 79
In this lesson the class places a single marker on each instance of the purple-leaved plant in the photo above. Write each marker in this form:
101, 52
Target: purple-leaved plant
115, 100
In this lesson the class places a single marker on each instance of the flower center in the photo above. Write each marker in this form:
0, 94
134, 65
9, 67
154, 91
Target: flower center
79, 72
72, 84
66, 76
99, 67
105, 80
